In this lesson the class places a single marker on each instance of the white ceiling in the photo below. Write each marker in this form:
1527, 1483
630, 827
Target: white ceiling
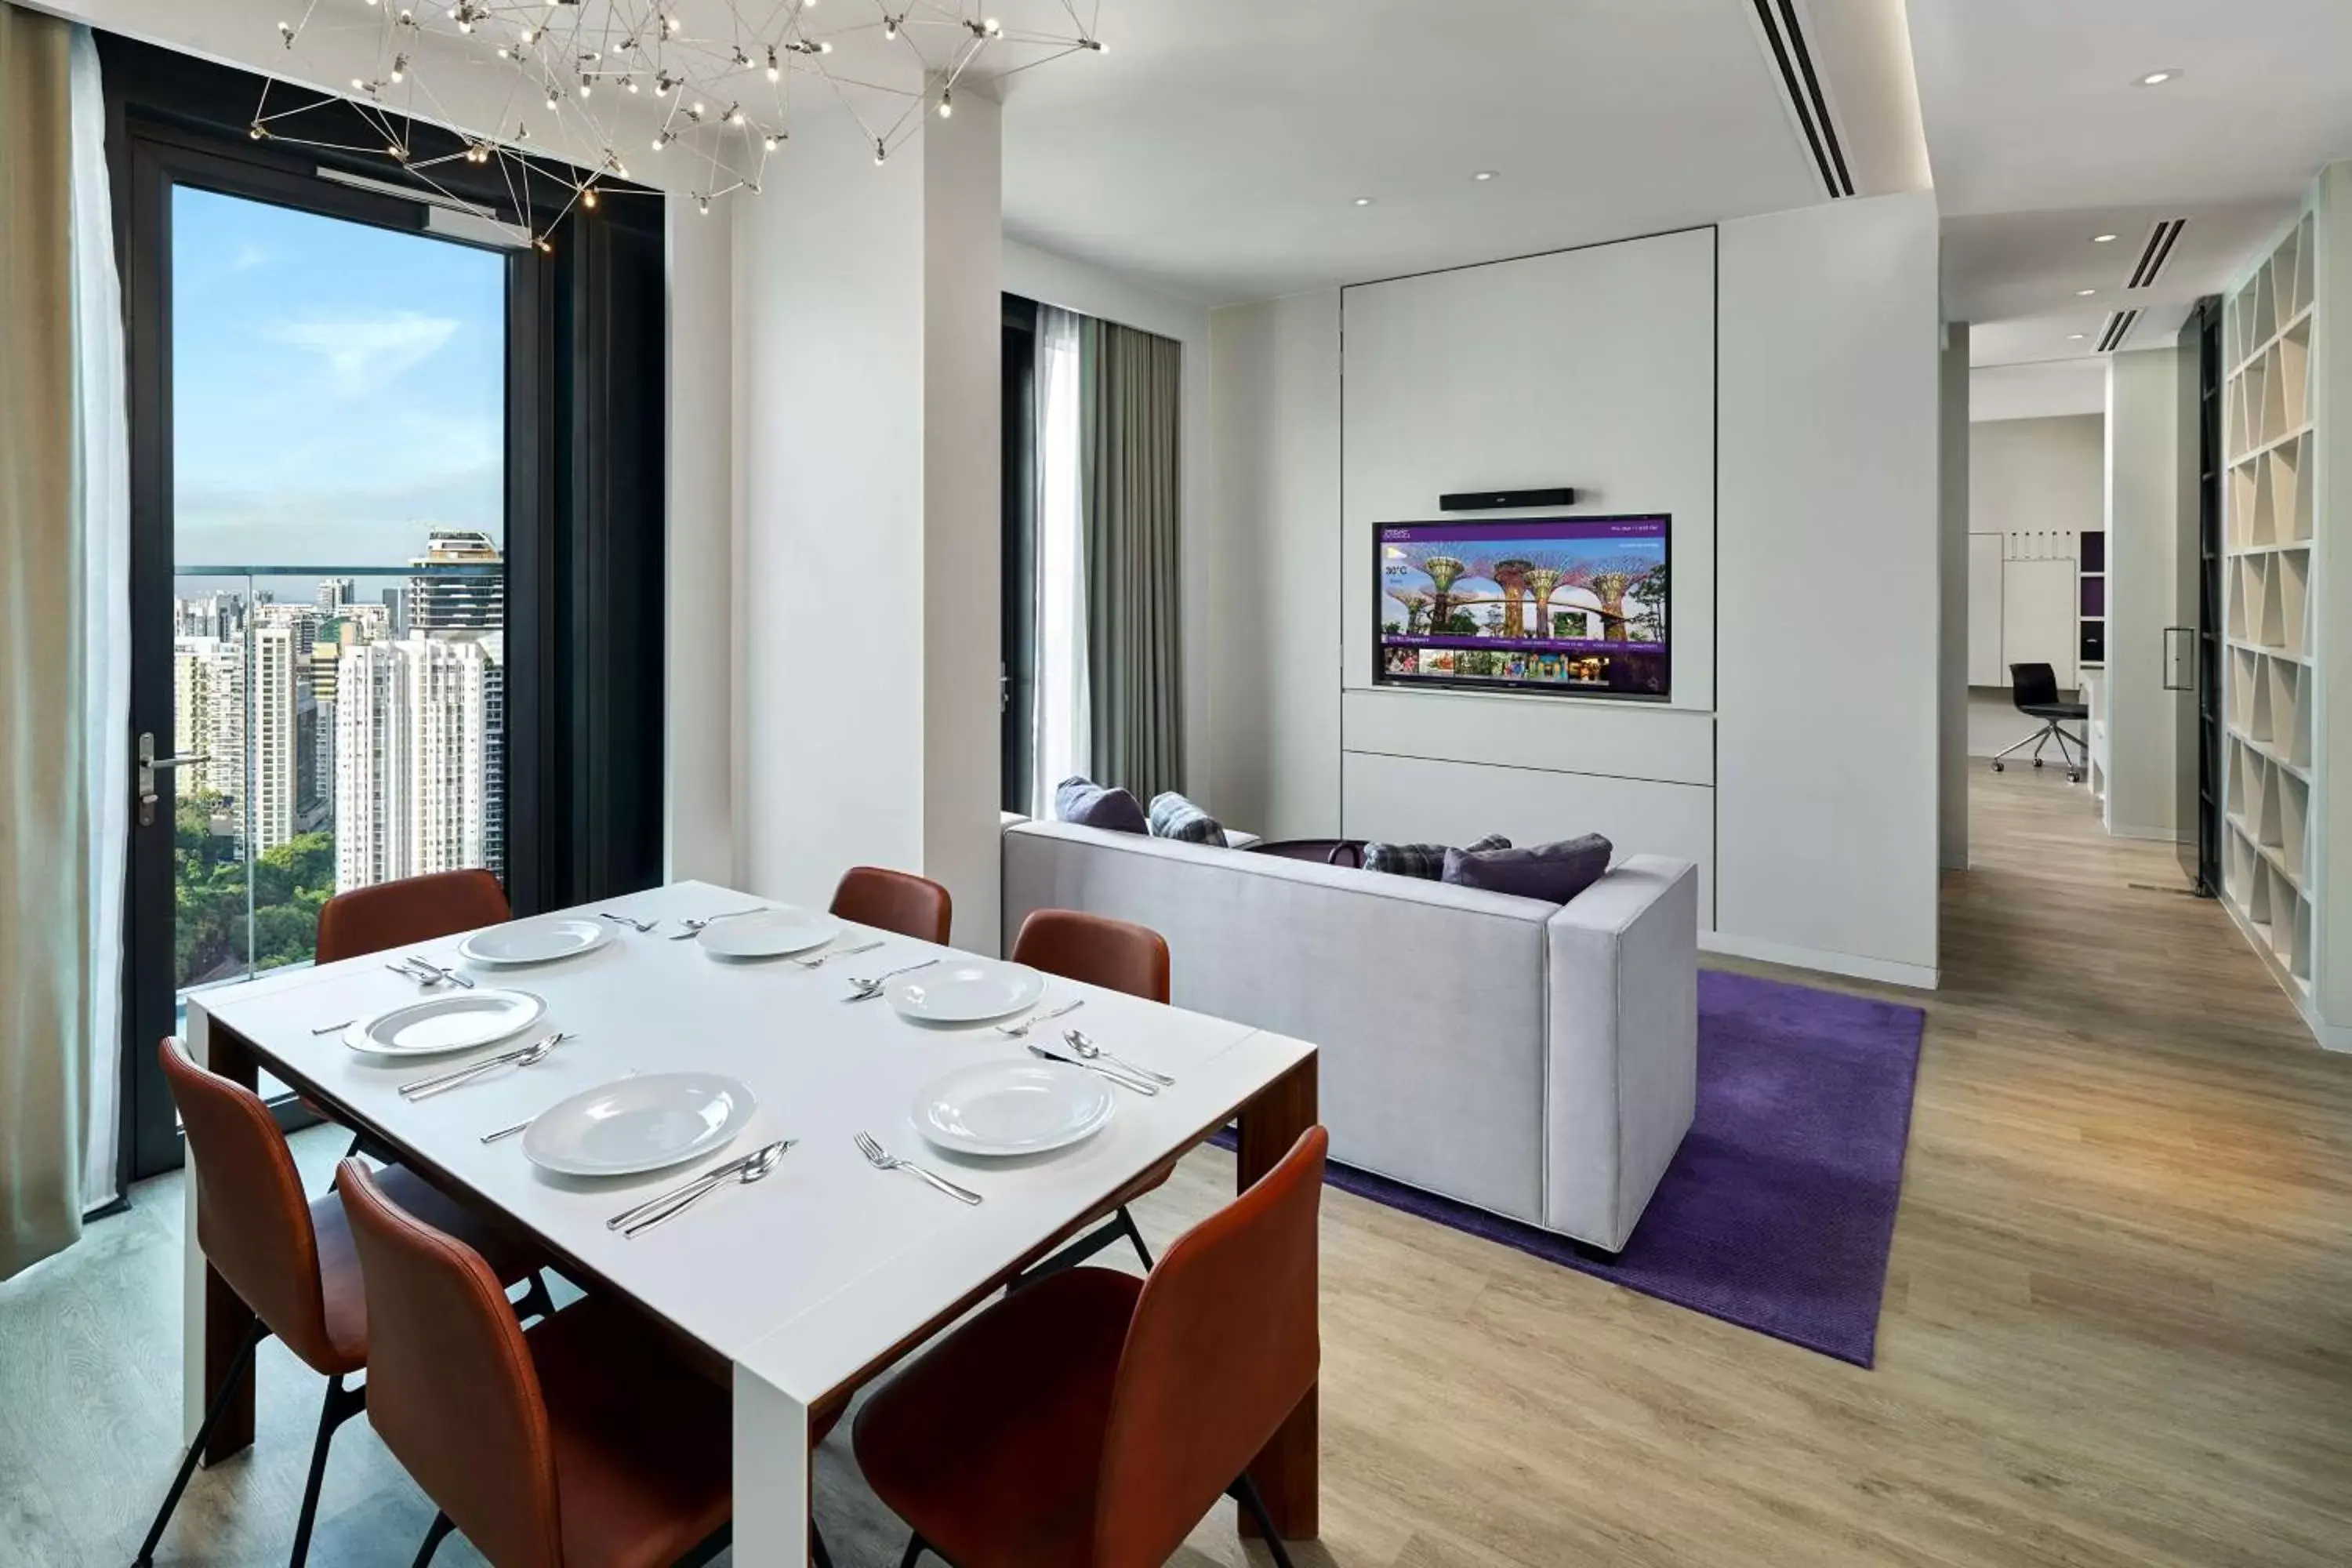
1217, 149
2039, 139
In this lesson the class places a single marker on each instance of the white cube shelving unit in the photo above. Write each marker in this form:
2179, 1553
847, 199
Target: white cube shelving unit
2269, 674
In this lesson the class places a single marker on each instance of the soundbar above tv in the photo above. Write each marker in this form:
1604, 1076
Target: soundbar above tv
1569, 606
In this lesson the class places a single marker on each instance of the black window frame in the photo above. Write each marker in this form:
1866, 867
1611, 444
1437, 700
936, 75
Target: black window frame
586, 502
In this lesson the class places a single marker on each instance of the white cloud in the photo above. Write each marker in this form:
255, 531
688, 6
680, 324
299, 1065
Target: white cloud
248, 257
365, 354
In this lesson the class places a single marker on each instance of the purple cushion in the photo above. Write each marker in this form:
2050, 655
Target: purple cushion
1090, 805
1552, 872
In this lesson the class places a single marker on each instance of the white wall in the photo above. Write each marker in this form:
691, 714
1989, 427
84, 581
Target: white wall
1798, 762
2028, 476
2143, 460
1273, 546
1829, 556
1052, 279
699, 786
867, 422
1593, 368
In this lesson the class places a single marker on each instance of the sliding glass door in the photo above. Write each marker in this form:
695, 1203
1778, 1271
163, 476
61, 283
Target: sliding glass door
324, 456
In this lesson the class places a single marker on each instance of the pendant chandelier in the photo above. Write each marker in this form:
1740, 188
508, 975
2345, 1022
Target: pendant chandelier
588, 86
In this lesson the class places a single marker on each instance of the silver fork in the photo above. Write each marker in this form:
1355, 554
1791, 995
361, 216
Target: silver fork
694, 927
866, 990
1014, 1031
822, 959
882, 1159
640, 927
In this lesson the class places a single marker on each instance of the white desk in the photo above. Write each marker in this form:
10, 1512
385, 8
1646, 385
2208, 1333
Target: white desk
814, 1279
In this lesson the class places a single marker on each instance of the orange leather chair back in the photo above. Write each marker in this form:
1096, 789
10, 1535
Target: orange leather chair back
414, 909
1222, 1347
451, 1388
1117, 955
895, 901
252, 1218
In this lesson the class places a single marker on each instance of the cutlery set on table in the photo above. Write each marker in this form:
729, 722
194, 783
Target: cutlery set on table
1059, 1094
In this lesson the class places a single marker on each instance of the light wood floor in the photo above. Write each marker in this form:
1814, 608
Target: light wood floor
2117, 1328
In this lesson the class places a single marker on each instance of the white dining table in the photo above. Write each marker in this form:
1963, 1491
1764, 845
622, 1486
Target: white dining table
809, 1282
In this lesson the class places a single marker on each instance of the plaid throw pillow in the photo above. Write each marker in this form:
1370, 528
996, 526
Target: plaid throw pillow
1174, 817
1426, 861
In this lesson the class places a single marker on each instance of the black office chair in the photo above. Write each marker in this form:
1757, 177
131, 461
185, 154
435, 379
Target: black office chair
2034, 688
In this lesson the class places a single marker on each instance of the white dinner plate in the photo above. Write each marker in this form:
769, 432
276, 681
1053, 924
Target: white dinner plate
770, 933
1012, 1107
964, 991
534, 942
455, 1021
638, 1124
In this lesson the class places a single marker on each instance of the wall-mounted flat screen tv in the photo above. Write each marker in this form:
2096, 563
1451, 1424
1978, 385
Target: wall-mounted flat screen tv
1570, 606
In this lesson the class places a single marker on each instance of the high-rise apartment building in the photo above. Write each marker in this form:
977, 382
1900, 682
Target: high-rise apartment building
208, 714
494, 752
410, 730
454, 602
280, 704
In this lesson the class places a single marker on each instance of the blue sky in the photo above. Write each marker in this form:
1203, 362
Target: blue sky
337, 389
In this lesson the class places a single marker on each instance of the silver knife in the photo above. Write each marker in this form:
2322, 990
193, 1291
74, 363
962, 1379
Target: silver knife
429, 1086
707, 1178
1120, 1078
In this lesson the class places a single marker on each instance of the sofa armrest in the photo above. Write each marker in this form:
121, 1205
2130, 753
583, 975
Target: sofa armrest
1621, 1068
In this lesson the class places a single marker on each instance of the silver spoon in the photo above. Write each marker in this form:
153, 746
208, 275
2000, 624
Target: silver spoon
757, 1171
1085, 1048
822, 959
694, 927
866, 990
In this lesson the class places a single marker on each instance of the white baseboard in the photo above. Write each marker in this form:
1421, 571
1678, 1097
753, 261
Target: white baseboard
2157, 834
1918, 977
2330, 1036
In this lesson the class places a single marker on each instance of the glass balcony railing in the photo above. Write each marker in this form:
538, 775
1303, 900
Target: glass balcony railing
352, 723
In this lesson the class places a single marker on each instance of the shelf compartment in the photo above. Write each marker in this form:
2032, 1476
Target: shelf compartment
2295, 520
2294, 376
2292, 797
2288, 576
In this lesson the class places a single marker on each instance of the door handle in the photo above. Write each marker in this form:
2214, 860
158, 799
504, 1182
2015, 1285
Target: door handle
2179, 667
148, 763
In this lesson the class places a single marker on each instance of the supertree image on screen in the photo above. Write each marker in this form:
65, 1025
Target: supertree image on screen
1571, 605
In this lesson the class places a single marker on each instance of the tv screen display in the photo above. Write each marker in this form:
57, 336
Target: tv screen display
1574, 605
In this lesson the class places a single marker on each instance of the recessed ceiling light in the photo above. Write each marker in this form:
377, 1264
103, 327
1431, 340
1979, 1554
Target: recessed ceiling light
1484, 174
1363, 201
2076, 337
2158, 79
2103, 239
2084, 293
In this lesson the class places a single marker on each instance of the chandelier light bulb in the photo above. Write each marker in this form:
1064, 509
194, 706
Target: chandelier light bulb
768, 144
630, 82
703, 204
400, 68
588, 197
995, 29
775, 70
824, 48
890, 26
671, 24
947, 106
661, 140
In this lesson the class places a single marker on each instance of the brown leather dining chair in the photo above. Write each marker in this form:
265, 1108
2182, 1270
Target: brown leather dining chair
1090, 1420
897, 902
414, 909
583, 1443
290, 1259
1117, 955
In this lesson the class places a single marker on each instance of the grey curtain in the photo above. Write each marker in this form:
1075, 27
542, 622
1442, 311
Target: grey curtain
45, 825
1131, 384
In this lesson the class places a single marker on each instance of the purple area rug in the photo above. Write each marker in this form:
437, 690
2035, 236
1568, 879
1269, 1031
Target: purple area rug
1777, 1211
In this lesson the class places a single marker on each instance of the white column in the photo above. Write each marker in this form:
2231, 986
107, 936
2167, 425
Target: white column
866, 553
699, 796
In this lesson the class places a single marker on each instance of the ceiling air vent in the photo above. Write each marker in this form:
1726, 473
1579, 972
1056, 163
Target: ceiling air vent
1800, 89
2119, 326
2158, 251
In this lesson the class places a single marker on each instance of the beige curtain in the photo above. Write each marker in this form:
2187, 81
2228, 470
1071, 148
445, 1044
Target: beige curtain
1130, 385
45, 1067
